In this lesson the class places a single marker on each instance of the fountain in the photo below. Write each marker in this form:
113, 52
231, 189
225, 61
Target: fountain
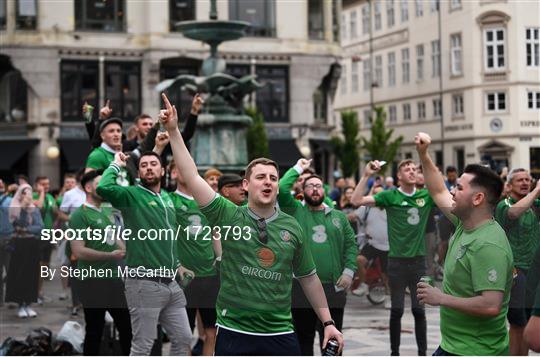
221, 134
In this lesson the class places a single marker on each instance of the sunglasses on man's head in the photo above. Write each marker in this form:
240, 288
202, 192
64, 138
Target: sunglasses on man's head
263, 233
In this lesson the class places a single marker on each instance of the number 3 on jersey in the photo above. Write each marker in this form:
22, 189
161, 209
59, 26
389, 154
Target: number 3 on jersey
414, 217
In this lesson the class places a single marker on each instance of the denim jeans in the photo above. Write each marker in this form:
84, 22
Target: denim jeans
403, 273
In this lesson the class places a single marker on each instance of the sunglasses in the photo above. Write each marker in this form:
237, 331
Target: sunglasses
263, 233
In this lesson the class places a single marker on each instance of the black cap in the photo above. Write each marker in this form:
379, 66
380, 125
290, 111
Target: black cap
109, 121
227, 179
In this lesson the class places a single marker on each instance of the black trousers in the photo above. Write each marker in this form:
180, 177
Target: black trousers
231, 343
305, 319
403, 273
99, 296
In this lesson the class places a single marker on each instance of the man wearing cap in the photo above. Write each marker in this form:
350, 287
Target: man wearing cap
230, 187
211, 176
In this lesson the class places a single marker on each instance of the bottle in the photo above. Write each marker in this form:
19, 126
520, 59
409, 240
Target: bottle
332, 348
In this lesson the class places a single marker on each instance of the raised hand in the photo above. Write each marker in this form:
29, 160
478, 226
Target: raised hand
372, 167
196, 104
422, 141
162, 139
304, 163
120, 159
106, 111
168, 117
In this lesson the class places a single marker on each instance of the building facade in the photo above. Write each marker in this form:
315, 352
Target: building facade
466, 72
56, 55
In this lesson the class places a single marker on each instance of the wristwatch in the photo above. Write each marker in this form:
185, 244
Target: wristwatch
328, 323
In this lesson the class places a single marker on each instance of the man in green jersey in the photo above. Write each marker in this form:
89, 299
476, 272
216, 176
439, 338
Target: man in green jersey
195, 247
532, 331
478, 266
516, 215
152, 260
262, 247
98, 258
332, 242
407, 209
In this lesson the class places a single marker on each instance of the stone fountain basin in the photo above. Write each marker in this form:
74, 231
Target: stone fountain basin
213, 31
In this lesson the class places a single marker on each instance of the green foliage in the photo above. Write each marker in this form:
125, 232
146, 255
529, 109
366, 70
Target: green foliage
380, 146
347, 149
257, 141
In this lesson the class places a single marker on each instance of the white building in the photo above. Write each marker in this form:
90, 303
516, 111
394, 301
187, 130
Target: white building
55, 55
466, 72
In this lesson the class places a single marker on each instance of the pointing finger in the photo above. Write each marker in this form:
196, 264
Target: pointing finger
108, 104
166, 101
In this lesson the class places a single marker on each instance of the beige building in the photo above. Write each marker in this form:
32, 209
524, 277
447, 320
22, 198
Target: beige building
56, 55
466, 72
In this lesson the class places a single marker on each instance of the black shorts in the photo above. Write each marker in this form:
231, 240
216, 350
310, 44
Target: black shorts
201, 295
45, 250
231, 343
518, 314
446, 228
370, 252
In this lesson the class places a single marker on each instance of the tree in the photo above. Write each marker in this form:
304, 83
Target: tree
380, 146
347, 149
257, 141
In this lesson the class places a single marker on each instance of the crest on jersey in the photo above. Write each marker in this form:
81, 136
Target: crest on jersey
285, 236
183, 208
336, 222
461, 251
420, 202
152, 203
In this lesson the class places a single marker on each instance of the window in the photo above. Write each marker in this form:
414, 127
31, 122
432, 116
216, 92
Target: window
79, 83
26, 15
378, 20
420, 62
260, 13
532, 42
343, 27
273, 98
3, 12
405, 65
533, 100
494, 42
315, 20
123, 88
353, 25
421, 107
455, 55
343, 84
367, 74
100, 15
434, 5
495, 102
319, 106
180, 10
437, 108
404, 10
13, 94
392, 113
390, 13
406, 112
336, 10
378, 71
419, 6
391, 69
457, 105
455, 4
435, 58
365, 19
354, 77
367, 118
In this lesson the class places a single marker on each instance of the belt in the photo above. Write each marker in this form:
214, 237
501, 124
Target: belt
156, 279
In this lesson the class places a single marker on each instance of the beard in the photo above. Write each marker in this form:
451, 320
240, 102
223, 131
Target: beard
150, 182
313, 202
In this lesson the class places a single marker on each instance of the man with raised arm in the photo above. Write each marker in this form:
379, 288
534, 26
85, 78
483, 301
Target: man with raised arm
332, 243
262, 248
478, 268
407, 210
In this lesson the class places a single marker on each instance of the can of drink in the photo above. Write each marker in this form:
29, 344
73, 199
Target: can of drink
428, 280
88, 113
332, 348
186, 280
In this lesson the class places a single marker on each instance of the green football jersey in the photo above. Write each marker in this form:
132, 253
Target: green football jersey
256, 278
195, 241
477, 260
87, 216
47, 211
329, 234
151, 217
523, 233
100, 158
407, 220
